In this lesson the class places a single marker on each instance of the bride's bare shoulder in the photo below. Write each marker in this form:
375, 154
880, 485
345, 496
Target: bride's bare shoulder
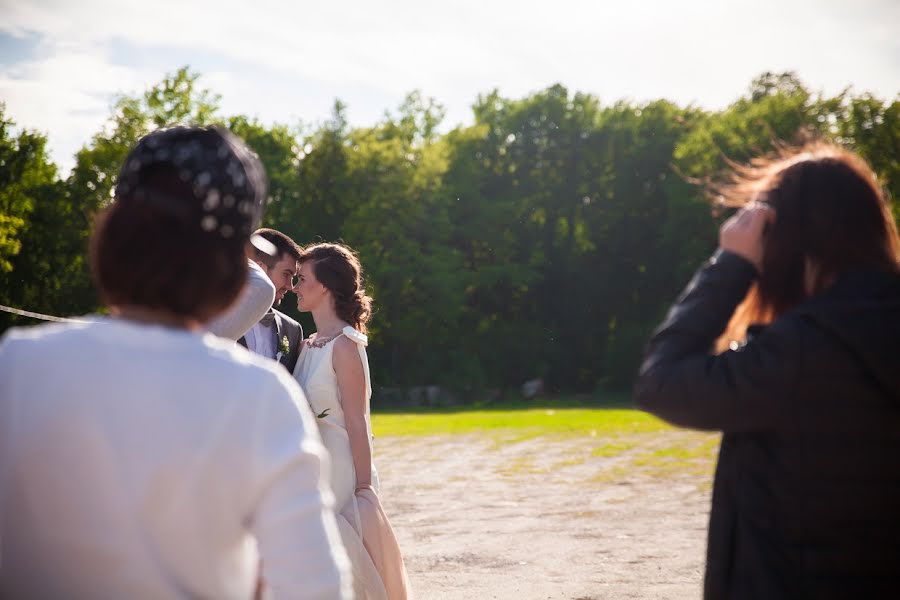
346, 356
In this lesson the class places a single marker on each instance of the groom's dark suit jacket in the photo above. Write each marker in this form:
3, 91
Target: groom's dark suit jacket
285, 326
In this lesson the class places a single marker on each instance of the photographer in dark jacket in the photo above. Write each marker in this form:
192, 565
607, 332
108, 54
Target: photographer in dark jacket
806, 501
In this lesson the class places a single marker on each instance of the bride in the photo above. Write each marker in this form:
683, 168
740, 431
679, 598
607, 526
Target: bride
334, 372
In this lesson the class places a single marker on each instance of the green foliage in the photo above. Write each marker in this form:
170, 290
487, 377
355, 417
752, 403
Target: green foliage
34, 220
277, 148
9, 243
544, 240
872, 128
24, 170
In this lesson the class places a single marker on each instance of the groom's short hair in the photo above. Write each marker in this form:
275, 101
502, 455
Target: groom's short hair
284, 245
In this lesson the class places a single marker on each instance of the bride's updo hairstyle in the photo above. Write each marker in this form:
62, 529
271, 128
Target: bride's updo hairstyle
337, 268
186, 202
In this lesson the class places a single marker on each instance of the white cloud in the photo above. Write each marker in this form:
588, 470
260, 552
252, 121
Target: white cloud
66, 94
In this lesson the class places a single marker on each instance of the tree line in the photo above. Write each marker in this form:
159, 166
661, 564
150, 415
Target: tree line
545, 240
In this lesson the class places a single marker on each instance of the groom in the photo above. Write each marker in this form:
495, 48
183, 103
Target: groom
276, 335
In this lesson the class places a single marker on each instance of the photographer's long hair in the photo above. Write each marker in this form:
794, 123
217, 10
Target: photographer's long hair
831, 216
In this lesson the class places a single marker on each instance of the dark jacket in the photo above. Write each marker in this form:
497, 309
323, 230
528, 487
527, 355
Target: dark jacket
806, 500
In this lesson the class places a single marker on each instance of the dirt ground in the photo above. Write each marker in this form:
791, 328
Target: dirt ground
550, 518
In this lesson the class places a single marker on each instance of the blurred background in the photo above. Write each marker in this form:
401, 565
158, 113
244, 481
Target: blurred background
517, 177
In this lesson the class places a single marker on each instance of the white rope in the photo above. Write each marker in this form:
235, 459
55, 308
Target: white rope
43, 317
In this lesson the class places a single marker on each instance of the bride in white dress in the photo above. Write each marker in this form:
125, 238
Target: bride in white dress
333, 370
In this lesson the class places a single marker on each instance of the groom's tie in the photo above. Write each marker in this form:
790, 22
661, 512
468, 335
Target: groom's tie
268, 318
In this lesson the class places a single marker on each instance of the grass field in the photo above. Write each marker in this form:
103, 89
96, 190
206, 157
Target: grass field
639, 442
565, 417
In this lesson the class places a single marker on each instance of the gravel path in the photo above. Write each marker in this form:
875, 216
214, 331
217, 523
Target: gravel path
550, 518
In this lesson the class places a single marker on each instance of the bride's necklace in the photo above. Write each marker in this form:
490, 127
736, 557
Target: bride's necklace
320, 342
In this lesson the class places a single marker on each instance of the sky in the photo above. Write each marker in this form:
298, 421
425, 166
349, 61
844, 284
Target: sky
62, 63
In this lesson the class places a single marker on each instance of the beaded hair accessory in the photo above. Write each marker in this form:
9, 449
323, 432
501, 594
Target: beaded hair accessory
202, 175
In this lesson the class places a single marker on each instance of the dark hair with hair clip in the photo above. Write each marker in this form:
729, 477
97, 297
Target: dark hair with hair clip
337, 267
186, 202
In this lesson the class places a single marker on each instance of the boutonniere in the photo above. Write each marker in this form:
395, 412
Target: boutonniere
284, 346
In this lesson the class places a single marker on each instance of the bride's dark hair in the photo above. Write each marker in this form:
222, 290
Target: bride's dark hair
337, 267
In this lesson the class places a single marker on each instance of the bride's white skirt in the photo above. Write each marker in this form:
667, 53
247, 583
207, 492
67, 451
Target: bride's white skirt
378, 570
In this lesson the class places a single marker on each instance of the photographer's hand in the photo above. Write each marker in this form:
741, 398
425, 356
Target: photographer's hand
742, 234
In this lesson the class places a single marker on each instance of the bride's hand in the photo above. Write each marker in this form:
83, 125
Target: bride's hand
365, 486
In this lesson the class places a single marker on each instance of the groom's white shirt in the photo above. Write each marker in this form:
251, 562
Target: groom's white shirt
261, 340
133, 466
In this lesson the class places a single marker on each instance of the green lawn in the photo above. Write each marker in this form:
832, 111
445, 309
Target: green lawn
519, 422
620, 441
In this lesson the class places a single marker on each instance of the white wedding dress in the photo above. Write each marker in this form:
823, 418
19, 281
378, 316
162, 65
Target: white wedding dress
378, 571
